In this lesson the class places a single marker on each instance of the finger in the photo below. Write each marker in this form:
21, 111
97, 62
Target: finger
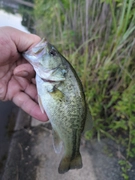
24, 70
28, 87
32, 92
29, 106
22, 40
15, 85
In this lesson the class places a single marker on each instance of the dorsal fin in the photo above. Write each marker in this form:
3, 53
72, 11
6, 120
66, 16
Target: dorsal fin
88, 122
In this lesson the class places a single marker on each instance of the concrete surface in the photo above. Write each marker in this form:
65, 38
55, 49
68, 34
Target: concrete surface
32, 157
7, 121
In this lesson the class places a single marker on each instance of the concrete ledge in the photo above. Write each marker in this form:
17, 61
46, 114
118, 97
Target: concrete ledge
23, 120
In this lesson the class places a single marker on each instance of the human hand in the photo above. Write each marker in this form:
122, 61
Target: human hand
16, 74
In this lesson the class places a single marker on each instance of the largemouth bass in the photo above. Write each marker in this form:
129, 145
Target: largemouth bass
61, 96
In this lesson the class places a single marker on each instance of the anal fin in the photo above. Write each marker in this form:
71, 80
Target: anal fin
57, 143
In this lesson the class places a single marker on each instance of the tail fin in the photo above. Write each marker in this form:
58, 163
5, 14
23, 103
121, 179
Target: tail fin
76, 163
67, 163
64, 165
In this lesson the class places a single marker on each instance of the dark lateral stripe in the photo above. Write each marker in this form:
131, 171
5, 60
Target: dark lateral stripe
76, 143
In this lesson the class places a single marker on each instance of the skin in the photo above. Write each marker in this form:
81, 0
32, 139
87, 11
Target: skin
16, 74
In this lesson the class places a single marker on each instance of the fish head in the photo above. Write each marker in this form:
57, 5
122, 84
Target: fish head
47, 61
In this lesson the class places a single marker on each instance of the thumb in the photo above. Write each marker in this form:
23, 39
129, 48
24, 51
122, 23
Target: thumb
22, 40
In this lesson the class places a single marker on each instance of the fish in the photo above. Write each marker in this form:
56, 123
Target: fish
61, 96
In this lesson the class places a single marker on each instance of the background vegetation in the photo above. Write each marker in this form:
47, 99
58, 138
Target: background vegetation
27, 16
98, 38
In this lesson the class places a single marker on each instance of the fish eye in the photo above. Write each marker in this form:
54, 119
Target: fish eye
53, 52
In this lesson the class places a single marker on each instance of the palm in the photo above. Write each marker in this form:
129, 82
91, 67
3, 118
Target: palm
19, 89
12, 84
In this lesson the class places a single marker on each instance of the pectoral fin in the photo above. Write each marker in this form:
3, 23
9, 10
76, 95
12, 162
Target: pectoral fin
57, 143
40, 104
57, 94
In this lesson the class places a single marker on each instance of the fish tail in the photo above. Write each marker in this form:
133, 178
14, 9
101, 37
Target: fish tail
76, 163
64, 165
68, 163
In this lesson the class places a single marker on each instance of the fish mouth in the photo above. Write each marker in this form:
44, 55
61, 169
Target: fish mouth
37, 51
43, 44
